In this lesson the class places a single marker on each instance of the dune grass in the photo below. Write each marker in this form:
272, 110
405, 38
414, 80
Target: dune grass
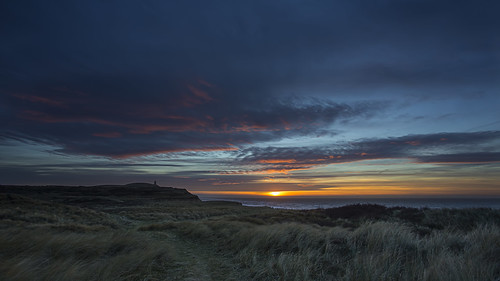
42, 240
388, 247
373, 251
108, 255
180, 240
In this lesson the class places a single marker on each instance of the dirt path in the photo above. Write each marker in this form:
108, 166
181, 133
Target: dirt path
193, 261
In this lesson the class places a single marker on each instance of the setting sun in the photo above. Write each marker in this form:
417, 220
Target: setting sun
274, 193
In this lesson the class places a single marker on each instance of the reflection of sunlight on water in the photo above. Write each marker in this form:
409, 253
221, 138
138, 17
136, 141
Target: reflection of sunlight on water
281, 201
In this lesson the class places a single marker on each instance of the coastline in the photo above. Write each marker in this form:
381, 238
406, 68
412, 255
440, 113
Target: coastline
310, 203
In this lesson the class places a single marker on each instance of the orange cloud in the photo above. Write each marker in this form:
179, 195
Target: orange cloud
286, 124
248, 128
277, 161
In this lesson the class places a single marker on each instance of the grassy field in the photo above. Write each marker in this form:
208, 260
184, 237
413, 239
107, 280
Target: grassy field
56, 234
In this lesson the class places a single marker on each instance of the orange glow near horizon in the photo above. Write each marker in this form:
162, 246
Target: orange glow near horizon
357, 191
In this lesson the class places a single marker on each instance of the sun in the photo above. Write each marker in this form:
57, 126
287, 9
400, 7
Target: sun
275, 193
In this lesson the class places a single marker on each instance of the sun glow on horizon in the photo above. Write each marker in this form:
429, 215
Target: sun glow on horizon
275, 193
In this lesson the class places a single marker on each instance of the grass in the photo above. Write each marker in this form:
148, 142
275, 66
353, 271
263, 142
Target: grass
103, 255
376, 250
193, 240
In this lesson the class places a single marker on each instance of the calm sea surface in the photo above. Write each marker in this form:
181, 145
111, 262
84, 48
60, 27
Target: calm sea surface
331, 202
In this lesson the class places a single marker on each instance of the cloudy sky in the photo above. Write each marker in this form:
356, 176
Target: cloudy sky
245, 97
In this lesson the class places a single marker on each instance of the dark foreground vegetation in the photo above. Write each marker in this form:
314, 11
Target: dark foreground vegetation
146, 232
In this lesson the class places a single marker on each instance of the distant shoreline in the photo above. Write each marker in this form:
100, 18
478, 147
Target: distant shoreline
308, 203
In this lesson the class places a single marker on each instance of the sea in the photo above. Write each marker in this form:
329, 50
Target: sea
307, 203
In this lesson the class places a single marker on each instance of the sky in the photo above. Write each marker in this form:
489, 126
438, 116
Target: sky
311, 98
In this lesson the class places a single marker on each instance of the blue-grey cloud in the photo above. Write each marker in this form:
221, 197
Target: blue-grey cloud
475, 147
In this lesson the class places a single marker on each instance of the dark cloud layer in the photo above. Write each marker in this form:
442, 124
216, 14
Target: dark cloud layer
250, 47
198, 120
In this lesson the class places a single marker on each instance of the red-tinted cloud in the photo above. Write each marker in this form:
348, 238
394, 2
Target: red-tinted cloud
163, 124
108, 135
39, 99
